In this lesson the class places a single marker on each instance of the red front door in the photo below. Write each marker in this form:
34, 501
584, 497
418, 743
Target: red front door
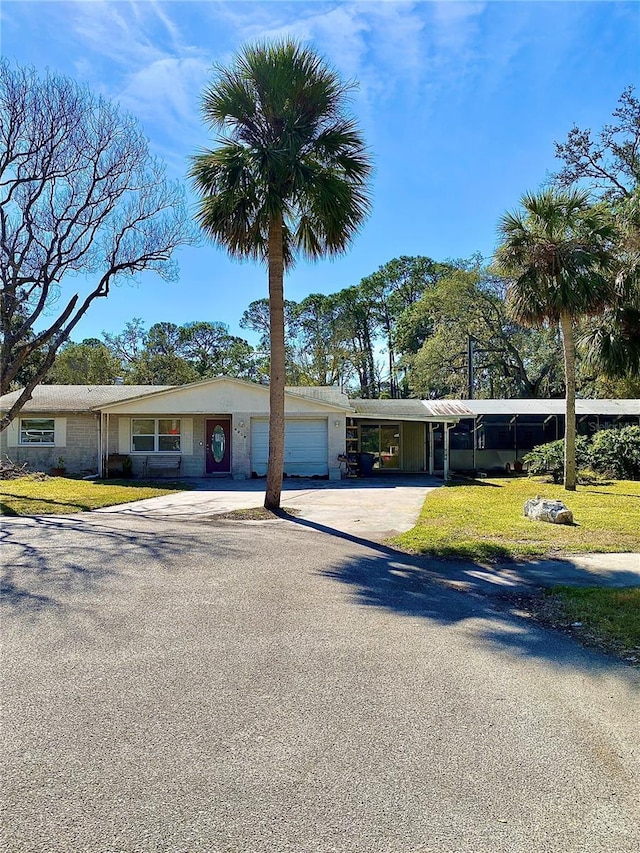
219, 446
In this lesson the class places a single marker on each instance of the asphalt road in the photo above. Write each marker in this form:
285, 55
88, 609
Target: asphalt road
190, 686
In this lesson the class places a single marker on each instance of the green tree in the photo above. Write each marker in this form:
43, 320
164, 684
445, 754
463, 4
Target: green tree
509, 360
256, 318
212, 351
318, 349
391, 290
130, 344
163, 339
612, 341
90, 362
169, 354
608, 164
359, 327
289, 176
557, 252
159, 368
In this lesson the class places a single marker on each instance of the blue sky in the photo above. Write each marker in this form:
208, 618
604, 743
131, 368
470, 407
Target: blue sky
460, 103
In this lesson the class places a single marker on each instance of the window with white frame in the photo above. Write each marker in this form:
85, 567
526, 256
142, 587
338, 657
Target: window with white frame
37, 431
155, 435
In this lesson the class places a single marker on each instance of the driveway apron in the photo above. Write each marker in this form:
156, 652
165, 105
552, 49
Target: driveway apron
373, 509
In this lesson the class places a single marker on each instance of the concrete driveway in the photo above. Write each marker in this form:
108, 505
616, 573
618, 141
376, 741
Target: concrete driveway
372, 510
375, 509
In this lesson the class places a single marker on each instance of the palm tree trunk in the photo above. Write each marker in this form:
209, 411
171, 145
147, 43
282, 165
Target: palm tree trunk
277, 368
568, 346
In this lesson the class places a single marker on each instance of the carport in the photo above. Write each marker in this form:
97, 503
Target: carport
408, 436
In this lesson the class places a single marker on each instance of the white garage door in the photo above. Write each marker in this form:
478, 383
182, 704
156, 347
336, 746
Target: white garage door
305, 447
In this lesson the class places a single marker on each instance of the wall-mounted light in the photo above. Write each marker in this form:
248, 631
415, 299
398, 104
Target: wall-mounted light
336, 423
240, 424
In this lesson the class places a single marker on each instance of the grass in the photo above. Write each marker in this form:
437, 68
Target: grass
483, 520
606, 618
31, 496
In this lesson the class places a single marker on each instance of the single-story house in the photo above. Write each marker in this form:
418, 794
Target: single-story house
220, 427
217, 427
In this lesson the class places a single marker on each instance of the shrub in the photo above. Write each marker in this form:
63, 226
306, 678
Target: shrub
549, 458
616, 452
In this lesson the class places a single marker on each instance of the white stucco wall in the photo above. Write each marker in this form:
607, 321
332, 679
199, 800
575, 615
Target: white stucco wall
217, 397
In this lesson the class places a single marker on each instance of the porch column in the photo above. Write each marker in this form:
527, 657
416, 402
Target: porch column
99, 421
106, 452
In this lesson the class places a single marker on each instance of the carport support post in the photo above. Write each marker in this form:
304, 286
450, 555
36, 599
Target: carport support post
431, 450
447, 427
475, 444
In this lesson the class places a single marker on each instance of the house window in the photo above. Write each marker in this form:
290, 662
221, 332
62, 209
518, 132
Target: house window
151, 435
169, 435
383, 442
37, 431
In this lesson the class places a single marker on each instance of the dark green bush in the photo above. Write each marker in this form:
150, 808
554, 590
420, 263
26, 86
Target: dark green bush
549, 458
616, 452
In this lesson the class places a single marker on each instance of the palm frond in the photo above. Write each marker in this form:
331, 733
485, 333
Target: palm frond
286, 143
557, 252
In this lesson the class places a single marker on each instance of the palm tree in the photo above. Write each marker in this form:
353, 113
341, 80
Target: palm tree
288, 176
557, 253
613, 342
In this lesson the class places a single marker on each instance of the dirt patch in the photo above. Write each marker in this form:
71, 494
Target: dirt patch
258, 513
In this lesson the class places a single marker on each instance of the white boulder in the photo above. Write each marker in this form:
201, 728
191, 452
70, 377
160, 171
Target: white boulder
541, 509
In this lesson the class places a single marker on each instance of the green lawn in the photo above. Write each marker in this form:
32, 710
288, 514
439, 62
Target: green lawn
31, 496
607, 618
483, 519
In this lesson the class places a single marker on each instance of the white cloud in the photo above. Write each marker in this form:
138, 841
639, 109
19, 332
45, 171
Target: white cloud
160, 54
378, 44
115, 31
152, 71
167, 89
389, 47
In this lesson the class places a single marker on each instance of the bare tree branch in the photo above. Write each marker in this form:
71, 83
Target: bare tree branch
80, 194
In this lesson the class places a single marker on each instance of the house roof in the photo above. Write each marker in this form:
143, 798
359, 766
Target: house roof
550, 407
78, 398
417, 410
83, 398
324, 393
230, 394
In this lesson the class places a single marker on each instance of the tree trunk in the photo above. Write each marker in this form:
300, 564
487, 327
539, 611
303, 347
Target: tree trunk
570, 405
392, 369
277, 368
